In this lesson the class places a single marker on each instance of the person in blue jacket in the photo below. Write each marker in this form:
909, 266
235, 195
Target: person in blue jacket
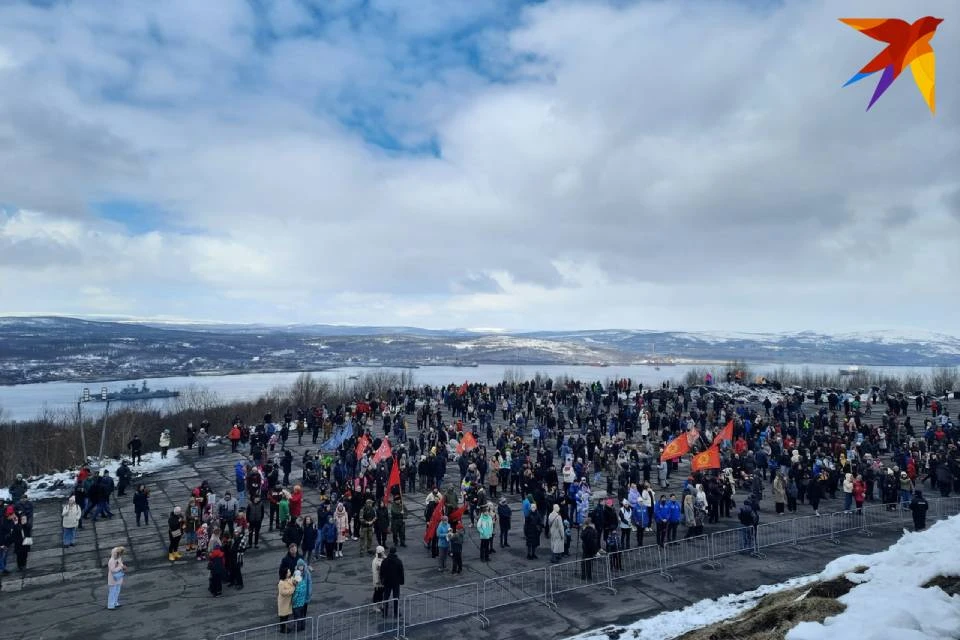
240, 475
676, 514
661, 513
329, 537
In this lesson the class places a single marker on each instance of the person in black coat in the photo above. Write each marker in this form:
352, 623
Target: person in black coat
289, 562
504, 514
532, 526
218, 571
590, 542
918, 507
391, 575
21, 536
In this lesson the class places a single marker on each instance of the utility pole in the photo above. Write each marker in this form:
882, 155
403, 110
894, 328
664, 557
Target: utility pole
103, 430
83, 437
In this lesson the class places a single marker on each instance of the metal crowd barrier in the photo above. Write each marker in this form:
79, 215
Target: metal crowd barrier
681, 553
631, 563
514, 588
546, 583
570, 576
742, 540
440, 604
275, 631
357, 623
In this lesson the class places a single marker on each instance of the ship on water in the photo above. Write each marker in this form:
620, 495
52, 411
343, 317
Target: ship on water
129, 393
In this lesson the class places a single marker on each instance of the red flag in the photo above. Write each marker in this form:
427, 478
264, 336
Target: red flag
457, 514
463, 389
675, 448
467, 443
362, 445
709, 459
384, 452
725, 434
434, 521
392, 481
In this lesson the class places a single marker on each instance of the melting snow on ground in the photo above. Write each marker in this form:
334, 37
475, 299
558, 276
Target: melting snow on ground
888, 601
59, 485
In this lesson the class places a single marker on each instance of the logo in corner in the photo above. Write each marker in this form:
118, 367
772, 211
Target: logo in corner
907, 44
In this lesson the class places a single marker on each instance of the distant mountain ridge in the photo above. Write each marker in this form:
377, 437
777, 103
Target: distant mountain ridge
46, 348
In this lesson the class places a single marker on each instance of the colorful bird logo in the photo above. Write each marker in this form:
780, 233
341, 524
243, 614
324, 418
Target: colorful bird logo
907, 44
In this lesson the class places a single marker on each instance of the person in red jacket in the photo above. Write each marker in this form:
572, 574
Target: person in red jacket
859, 493
296, 502
234, 437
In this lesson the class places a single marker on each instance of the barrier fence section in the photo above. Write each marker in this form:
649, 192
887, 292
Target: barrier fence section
579, 574
357, 623
878, 516
291, 630
514, 588
742, 540
440, 604
847, 522
688, 551
638, 561
949, 507
778, 532
811, 528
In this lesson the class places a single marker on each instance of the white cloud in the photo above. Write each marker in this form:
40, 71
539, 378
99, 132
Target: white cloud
678, 165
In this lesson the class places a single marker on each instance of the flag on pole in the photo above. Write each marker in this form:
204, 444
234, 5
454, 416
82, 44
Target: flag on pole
438, 512
362, 445
709, 459
463, 389
384, 452
692, 436
675, 448
725, 434
466, 443
393, 481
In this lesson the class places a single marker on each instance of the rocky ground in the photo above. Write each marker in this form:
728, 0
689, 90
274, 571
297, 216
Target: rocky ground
63, 593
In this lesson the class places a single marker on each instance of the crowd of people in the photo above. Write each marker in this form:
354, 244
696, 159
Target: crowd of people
546, 459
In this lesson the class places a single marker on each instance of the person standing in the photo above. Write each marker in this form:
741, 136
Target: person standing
918, 508
136, 450
503, 517
217, 565
378, 559
556, 533
397, 525
661, 514
285, 590
141, 504
485, 531
70, 518
174, 531
532, 526
116, 570
202, 438
302, 594
391, 574
255, 513
164, 443
456, 548
22, 541
590, 542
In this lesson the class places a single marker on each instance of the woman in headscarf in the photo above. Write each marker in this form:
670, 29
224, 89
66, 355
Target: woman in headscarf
70, 518
342, 520
115, 573
557, 536
378, 557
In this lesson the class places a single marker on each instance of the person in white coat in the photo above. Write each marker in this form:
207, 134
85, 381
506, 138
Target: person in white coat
70, 519
556, 532
164, 443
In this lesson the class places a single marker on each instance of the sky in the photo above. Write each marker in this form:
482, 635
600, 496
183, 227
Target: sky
562, 164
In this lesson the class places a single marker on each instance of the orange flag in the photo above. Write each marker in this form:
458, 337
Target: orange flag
392, 481
467, 443
362, 445
383, 452
709, 459
457, 514
725, 434
463, 389
675, 448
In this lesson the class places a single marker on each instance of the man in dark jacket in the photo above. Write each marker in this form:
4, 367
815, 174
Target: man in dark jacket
289, 562
391, 575
136, 449
255, 513
918, 507
504, 514
124, 475
590, 540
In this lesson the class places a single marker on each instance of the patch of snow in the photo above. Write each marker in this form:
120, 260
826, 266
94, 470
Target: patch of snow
61, 484
282, 352
888, 601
